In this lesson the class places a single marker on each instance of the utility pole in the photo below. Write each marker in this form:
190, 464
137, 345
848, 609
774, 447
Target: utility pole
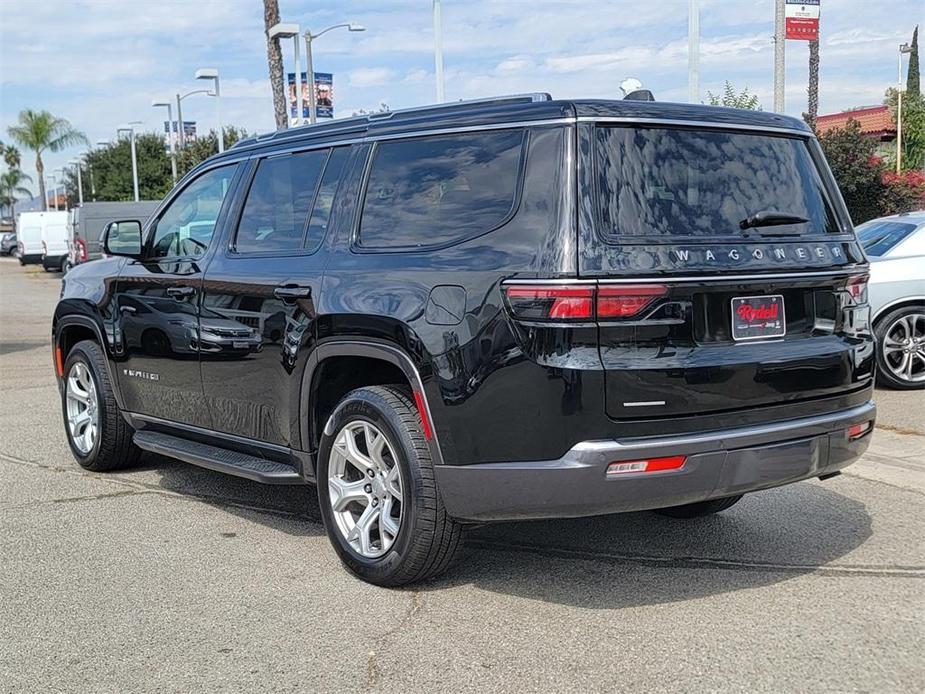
438, 50
693, 51
779, 56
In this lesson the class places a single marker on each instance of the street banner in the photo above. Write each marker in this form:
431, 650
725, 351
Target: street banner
324, 95
170, 132
801, 20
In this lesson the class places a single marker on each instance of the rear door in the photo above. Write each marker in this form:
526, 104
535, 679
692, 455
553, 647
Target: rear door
727, 273
258, 309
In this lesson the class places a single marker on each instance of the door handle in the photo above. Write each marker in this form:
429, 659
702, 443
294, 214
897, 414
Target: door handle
128, 309
292, 293
180, 292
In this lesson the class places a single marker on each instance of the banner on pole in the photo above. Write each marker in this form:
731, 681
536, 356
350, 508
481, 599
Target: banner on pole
324, 95
170, 132
801, 20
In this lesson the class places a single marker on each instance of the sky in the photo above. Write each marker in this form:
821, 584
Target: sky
100, 63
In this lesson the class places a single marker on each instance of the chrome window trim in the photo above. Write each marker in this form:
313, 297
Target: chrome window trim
695, 124
664, 279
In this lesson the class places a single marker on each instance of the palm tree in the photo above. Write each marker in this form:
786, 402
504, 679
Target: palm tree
11, 188
275, 63
40, 131
11, 156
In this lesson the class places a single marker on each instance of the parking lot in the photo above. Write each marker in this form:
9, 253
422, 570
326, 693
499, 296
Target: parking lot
168, 577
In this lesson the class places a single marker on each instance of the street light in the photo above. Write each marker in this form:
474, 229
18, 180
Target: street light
180, 97
80, 186
130, 128
170, 138
291, 31
903, 48
309, 37
211, 73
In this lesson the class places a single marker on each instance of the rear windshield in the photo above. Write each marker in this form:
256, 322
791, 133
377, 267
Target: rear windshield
669, 182
878, 238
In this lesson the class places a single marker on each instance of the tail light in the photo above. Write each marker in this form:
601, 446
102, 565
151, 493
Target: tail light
580, 302
624, 467
857, 289
81, 250
856, 431
44, 249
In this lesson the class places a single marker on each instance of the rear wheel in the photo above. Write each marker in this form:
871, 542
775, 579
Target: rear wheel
901, 348
380, 503
99, 437
700, 508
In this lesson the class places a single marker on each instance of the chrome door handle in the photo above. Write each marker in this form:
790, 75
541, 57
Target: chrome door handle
128, 309
292, 293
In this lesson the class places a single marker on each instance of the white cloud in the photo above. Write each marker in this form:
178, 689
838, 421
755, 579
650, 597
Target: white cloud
370, 77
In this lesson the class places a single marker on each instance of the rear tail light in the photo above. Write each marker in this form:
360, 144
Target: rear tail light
857, 288
624, 467
856, 431
580, 302
81, 250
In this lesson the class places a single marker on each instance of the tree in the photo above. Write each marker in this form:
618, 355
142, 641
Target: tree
858, 172
913, 127
40, 131
11, 156
913, 86
275, 64
11, 189
813, 90
205, 146
744, 99
112, 170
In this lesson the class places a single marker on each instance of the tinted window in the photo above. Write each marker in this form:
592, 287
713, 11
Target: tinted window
660, 182
278, 203
878, 238
435, 190
321, 211
186, 226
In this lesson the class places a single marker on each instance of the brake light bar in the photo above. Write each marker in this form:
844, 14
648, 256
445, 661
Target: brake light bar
580, 302
623, 467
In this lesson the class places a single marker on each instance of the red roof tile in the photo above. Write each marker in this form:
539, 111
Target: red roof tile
874, 120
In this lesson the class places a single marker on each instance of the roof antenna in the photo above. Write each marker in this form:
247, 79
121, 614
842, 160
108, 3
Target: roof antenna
633, 91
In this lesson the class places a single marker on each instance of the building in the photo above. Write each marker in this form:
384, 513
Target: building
876, 123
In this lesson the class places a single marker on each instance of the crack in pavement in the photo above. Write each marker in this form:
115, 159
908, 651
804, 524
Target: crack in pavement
714, 563
76, 499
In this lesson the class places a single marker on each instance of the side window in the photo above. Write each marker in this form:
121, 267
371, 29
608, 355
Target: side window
278, 203
324, 201
186, 226
435, 190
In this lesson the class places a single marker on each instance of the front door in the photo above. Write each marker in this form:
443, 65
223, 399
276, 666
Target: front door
157, 300
259, 293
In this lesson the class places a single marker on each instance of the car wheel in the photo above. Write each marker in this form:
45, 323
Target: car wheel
99, 437
700, 508
379, 500
901, 348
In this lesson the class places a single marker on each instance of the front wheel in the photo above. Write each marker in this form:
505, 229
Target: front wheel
381, 506
699, 508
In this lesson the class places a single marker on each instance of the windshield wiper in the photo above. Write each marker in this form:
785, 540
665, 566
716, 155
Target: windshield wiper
770, 218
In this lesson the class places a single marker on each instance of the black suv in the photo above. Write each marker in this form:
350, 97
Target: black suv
506, 309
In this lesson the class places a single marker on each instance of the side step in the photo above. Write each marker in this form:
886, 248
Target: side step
219, 459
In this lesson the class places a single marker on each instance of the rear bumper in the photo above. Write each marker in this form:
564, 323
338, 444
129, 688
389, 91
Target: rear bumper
719, 464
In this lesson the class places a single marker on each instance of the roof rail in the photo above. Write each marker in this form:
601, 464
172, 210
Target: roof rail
486, 101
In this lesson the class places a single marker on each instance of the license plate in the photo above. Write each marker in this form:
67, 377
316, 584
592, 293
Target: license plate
240, 344
758, 317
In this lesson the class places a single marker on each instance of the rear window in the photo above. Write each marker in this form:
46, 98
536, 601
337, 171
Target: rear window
435, 190
878, 238
664, 182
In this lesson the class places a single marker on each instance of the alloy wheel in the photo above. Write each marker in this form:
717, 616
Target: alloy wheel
904, 347
83, 417
365, 489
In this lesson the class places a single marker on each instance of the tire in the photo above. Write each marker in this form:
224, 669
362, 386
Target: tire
699, 508
427, 538
906, 322
112, 447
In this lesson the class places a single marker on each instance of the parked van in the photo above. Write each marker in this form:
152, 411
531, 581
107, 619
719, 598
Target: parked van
54, 242
38, 228
87, 222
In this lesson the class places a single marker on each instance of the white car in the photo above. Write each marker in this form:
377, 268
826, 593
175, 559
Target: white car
895, 246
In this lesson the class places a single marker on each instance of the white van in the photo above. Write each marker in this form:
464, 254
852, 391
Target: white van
43, 239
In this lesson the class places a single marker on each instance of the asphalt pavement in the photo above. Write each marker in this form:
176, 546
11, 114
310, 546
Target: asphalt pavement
171, 578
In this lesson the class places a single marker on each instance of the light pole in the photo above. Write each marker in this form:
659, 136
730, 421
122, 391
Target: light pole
438, 50
779, 34
80, 186
903, 48
693, 51
211, 73
291, 31
131, 131
170, 137
180, 98
309, 37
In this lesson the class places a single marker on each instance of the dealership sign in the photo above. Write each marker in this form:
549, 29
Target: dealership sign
324, 95
801, 20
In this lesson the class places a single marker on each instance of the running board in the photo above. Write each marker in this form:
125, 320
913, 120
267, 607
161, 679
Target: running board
218, 459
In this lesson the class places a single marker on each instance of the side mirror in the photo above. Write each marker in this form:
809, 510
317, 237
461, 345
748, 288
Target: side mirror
123, 238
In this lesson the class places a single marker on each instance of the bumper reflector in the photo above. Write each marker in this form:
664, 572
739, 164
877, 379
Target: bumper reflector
622, 467
856, 431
